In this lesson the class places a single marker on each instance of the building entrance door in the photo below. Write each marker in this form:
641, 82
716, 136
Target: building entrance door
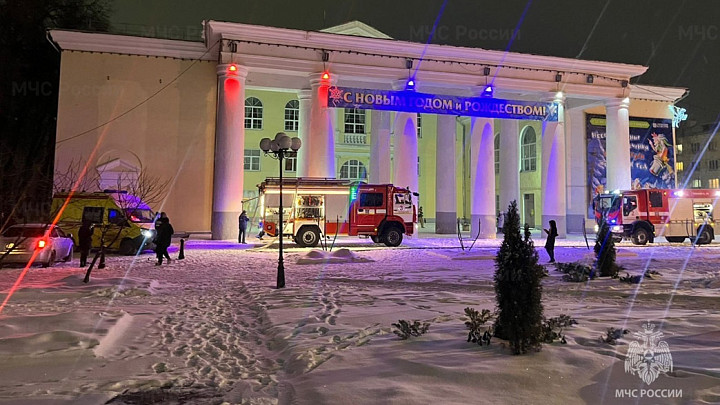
529, 210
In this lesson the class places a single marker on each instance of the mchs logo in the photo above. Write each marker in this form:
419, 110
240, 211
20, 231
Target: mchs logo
650, 358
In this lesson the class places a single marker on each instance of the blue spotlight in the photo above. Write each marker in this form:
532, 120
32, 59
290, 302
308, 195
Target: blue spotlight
487, 91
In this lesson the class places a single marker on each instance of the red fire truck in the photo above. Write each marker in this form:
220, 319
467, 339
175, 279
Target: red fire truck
642, 215
315, 208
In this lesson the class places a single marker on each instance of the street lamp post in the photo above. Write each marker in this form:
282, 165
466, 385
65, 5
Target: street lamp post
280, 148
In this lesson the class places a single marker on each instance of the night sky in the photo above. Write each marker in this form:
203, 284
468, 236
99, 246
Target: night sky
678, 40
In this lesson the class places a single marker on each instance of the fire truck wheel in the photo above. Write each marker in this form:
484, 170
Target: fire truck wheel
307, 237
376, 238
704, 237
675, 239
392, 236
641, 236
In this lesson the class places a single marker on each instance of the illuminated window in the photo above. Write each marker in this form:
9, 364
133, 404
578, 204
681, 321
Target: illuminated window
679, 166
497, 153
354, 121
353, 170
419, 125
253, 113
291, 164
528, 151
714, 183
678, 148
697, 183
252, 159
292, 111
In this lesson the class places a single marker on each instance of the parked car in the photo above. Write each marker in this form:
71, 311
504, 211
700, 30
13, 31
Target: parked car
19, 242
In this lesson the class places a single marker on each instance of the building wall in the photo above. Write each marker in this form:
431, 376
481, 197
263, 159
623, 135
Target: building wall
170, 135
699, 162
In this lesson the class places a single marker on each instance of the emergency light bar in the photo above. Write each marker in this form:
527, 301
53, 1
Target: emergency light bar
308, 191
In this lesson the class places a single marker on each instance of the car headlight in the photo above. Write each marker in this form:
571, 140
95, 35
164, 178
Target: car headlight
597, 228
147, 233
617, 228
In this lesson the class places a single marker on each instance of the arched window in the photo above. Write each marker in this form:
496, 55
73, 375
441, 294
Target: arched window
353, 170
292, 110
253, 113
497, 153
528, 151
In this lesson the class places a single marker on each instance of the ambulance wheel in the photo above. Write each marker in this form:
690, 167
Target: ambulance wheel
392, 237
127, 247
675, 239
641, 236
307, 237
704, 237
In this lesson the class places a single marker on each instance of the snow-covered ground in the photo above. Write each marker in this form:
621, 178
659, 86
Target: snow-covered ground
212, 328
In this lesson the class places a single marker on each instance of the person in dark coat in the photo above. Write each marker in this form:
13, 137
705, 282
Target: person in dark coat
164, 232
85, 234
242, 226
550, 243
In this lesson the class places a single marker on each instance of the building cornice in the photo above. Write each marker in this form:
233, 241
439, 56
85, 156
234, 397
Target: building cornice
657, 93
129, 45
216, 30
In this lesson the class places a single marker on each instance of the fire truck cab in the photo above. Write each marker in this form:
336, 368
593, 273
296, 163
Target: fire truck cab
315, 208
641, 215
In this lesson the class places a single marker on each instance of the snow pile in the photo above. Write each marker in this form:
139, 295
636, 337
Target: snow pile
342, 255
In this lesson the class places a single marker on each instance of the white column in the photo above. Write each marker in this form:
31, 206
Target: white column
617, 145
380, 147
445, 178
509, 163
305, 107
576, 166
321, 138
229, 152
553, 183
405, 151
482, 177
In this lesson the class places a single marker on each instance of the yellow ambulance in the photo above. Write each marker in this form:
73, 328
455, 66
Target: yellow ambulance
122, 222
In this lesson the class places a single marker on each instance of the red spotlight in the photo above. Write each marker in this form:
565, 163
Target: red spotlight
326, 75
41, 244
232, 68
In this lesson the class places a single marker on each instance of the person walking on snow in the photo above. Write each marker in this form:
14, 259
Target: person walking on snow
242, 226
163, 238
550, 242
85, 234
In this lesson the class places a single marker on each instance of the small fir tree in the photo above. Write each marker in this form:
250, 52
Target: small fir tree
605, 252
518, 288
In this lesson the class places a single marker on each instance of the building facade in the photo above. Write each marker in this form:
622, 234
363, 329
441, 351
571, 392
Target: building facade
194, 113
698, 154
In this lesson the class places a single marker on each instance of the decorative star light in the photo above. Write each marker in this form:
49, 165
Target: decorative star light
336, 94
678, 115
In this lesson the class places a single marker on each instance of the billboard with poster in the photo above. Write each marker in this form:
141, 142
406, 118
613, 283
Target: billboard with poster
652, 154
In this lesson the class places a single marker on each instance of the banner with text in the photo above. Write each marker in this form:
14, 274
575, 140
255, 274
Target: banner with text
411, 101
652, 155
